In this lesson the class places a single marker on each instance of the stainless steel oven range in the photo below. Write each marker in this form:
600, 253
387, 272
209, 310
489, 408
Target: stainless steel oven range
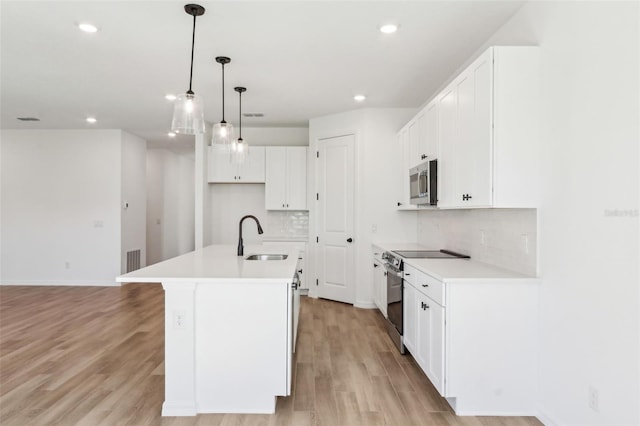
394, 266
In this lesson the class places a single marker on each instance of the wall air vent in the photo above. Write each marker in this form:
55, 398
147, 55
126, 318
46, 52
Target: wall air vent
133, 260
28, 119
253, 114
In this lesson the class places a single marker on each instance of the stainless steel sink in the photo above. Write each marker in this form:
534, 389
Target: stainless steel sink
267, 257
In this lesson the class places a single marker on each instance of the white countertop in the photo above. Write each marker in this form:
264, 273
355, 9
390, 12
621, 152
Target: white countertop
219, 263
450, 270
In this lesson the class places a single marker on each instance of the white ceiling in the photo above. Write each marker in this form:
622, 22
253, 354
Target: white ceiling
298, 59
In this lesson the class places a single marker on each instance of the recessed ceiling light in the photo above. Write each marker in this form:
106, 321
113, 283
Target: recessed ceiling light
359, 98
170, 97
88, 28
388, 28
171, 135
91, 120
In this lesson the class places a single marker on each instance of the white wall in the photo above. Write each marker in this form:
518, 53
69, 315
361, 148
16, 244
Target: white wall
375, 185
134, 198
170, 204
276, 136
588, 219
60, 206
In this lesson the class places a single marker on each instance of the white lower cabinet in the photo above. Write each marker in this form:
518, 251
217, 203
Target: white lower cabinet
429, 347
475, 339
409, 315
380, 287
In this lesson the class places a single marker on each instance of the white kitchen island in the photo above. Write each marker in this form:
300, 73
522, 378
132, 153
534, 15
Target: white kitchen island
228, 329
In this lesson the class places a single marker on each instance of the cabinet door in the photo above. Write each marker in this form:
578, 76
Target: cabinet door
403, 159
414, 134
252, 170
429, 344
221, 169
377, 285
276, 178
410, 315
473, 153
431, 131
296, 179
447, 110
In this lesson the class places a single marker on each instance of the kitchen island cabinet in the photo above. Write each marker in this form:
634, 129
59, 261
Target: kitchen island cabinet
228, 329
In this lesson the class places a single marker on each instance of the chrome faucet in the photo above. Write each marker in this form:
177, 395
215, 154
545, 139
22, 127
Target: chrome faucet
240, 245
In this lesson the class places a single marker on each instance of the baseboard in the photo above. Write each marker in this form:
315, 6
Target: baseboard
545, 418
365, 305
73, 283
180, 408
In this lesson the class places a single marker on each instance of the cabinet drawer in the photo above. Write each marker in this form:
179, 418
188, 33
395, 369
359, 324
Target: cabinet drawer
425, 284
431, 287
411, 274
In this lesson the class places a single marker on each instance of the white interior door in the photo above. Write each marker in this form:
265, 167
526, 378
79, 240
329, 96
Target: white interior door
335, 248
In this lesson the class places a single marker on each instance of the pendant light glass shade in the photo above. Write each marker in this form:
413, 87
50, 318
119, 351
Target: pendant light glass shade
239, 151
223, 134
188, 116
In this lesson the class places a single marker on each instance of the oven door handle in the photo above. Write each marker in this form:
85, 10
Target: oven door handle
393, 271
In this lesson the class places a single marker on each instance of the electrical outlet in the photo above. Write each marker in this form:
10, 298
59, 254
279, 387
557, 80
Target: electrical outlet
374, 228
593, 398
179, 320
67, 265
482, 239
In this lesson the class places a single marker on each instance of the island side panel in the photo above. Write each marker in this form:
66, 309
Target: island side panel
179, 353
242, 332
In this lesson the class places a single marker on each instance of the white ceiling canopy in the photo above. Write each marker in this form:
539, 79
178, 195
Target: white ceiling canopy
297, 59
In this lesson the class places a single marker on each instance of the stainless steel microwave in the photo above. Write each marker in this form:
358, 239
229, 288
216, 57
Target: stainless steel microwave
423, 183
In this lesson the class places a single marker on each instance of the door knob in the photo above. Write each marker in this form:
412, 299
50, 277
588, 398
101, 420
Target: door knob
349, 240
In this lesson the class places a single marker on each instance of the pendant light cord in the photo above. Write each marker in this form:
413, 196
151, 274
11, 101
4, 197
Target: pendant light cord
223, 93
193, 42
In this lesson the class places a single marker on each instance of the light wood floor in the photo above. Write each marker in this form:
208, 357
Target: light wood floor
94, 356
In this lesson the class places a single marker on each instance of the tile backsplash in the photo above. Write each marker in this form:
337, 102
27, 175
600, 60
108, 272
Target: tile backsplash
506, 238
287, 224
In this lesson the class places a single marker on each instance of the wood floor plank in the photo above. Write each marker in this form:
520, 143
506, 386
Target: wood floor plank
95, 356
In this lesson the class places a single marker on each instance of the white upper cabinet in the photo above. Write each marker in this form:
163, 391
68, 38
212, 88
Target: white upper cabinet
483, 130
403, 149
223, 170
487, 132
286, 178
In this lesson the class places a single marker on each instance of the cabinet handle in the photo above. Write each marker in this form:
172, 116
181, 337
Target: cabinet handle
407, 274
425, 285
423, 156
283, 205
375, 265
385, 273
287, 205
299, 271
426, 306
399, 204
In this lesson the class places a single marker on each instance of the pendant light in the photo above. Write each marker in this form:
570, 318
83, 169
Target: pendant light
188, 116
223, 131
239, 148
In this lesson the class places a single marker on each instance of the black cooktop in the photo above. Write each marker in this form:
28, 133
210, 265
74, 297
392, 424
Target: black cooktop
430, 254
